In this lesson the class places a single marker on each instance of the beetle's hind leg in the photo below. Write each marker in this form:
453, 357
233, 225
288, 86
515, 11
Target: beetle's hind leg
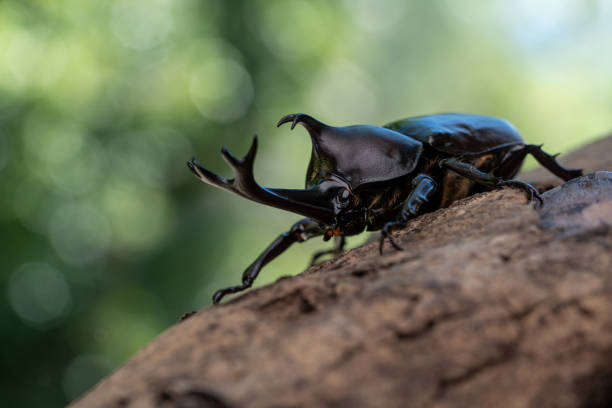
513, 161
339, 243
551, 163
488, 179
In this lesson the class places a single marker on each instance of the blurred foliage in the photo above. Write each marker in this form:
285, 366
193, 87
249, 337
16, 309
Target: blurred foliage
106, 236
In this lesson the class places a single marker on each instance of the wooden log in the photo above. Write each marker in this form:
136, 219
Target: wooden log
493, 303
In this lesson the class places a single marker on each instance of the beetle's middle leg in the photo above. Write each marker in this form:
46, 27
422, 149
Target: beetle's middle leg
339, 243
299, 232
488, 179
423, 188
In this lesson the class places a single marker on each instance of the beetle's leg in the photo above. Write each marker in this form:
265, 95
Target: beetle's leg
339, 242
386, 234
488, 179
299, 232
551, 163
423, 187
513, 161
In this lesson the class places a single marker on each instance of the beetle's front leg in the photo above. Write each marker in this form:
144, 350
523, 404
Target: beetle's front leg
299, 232
488, 179
423, 188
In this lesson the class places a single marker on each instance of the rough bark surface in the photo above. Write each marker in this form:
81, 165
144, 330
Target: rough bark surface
493, 303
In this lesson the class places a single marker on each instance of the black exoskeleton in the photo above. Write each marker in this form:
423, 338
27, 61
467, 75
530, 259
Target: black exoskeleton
377, 178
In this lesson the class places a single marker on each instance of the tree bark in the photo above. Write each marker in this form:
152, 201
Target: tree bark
493, 303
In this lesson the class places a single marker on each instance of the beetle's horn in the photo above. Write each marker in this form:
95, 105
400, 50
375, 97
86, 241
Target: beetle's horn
324, 149
310, 203
313, 126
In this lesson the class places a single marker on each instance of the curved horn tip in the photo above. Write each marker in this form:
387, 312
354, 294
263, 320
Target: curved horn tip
286, 119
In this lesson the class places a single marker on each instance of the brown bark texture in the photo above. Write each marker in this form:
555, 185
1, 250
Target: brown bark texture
493, 303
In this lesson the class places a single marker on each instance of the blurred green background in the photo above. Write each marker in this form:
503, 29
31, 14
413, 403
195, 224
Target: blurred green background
107, 238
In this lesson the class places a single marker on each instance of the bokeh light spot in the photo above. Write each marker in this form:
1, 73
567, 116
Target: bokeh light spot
373, 15
540, 24
79, 233
141, 24
140, 217
346, 93
81, 173
39, 294
50, 140
150, 156
221, 89
61, 153
33, 205
34, 60
203, 49
293, 29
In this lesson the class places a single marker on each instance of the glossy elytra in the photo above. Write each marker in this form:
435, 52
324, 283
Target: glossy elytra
377, 178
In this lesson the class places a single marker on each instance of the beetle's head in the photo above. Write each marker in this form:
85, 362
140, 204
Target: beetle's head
350, 214
343, 158
346, 215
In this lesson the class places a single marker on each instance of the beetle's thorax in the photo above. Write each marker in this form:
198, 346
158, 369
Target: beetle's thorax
359, 154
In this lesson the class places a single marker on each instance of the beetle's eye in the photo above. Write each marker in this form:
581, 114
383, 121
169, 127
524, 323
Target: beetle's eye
343, 197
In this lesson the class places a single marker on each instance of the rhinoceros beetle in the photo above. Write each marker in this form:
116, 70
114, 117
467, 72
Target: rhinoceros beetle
377, 178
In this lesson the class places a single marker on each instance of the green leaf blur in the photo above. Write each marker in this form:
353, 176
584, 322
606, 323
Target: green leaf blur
106, 236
